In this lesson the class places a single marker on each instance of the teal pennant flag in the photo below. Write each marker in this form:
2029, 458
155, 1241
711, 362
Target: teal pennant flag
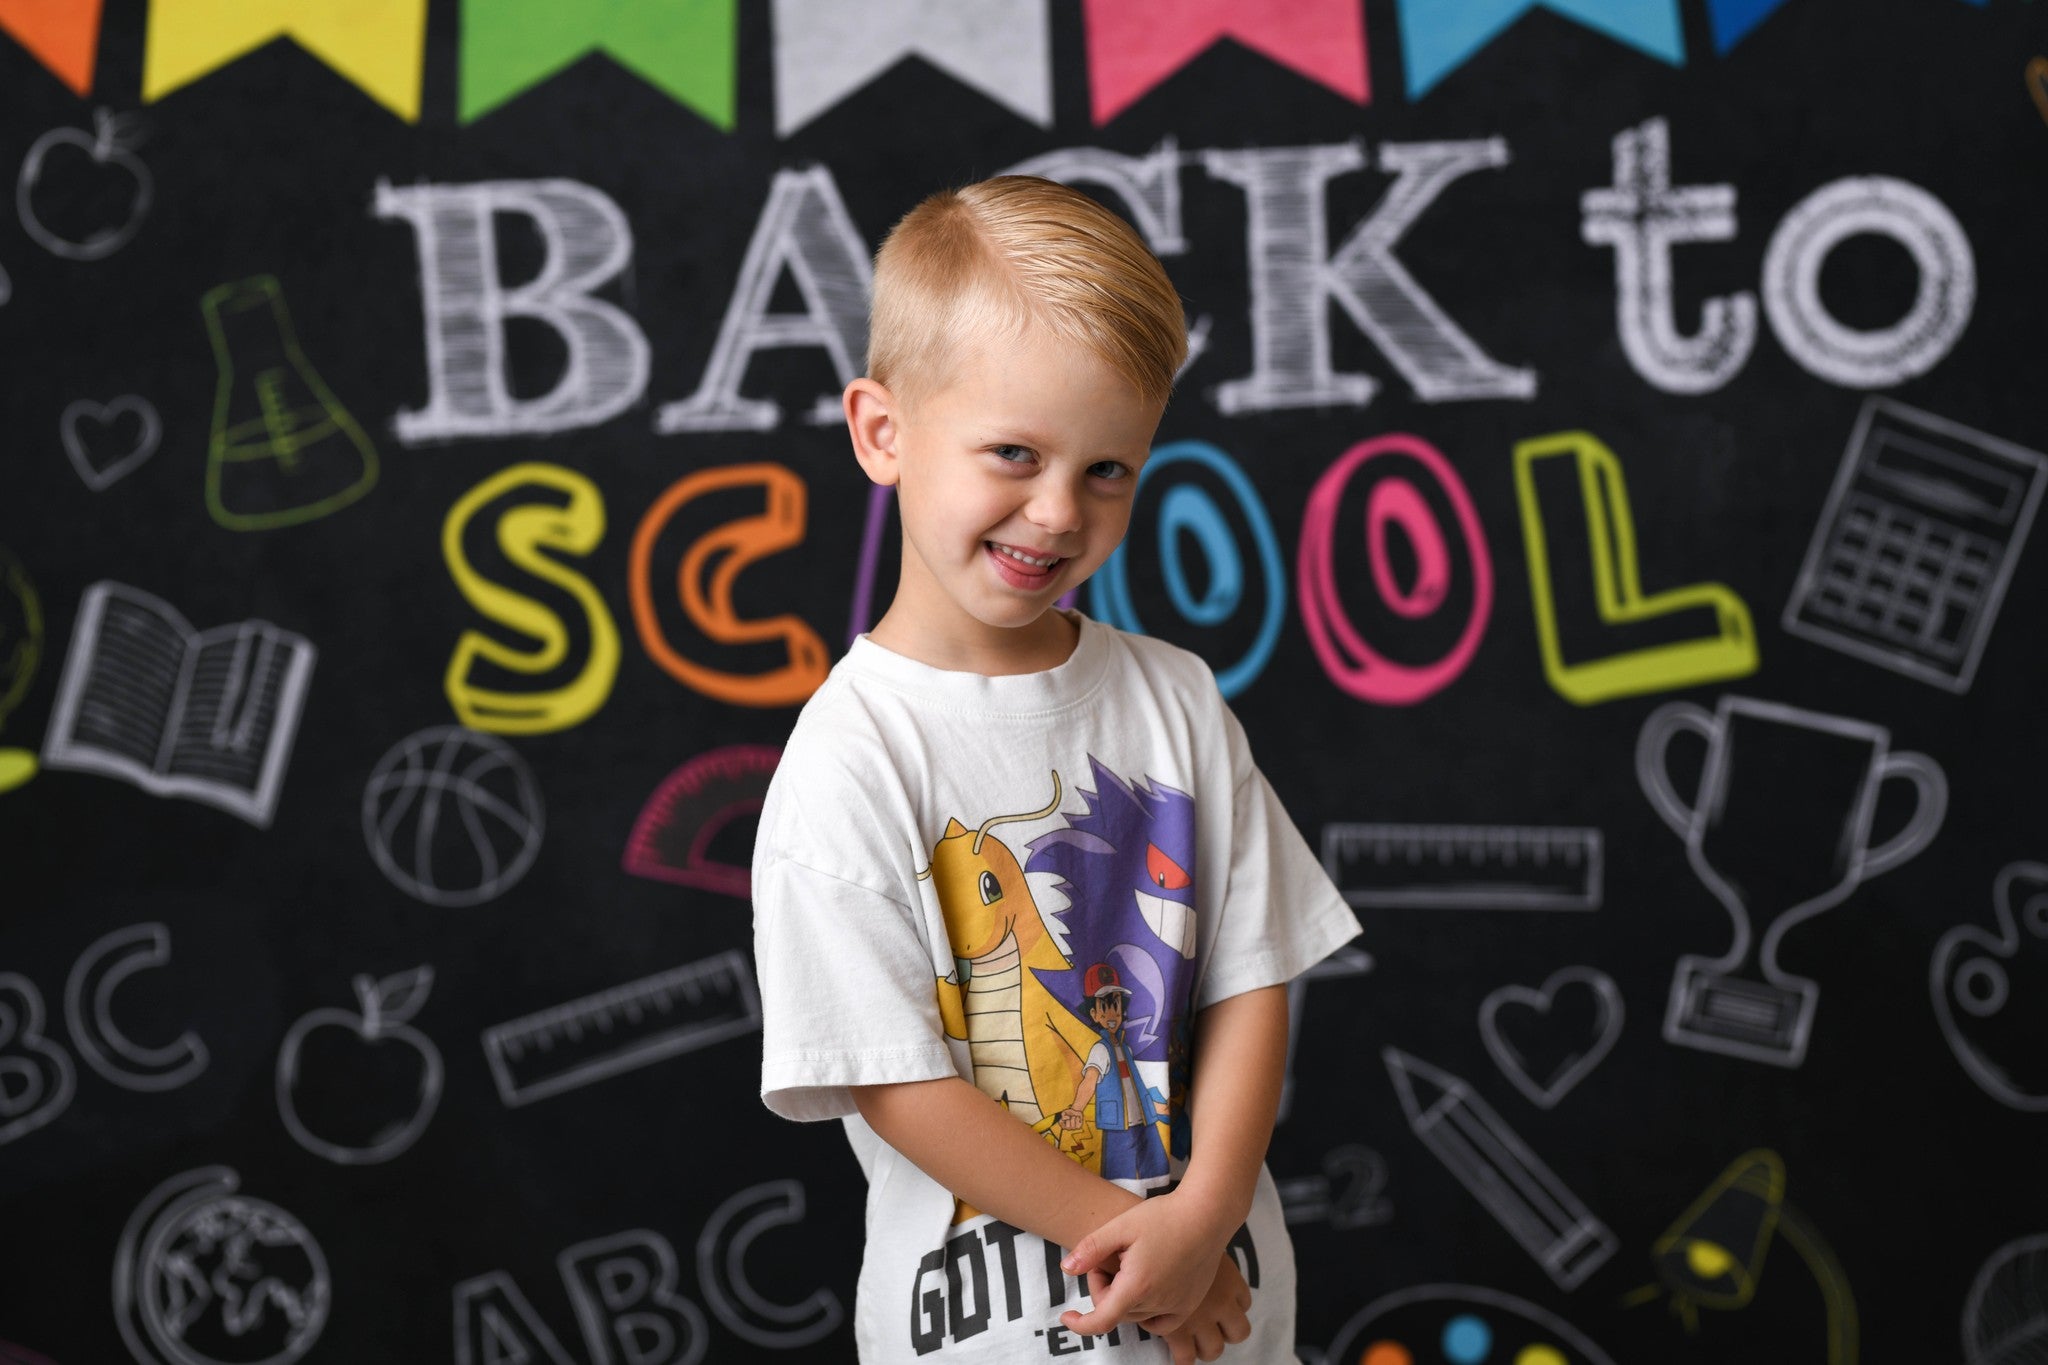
685, 47
1439, 37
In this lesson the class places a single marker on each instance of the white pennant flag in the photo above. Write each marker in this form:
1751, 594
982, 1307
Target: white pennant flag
827, 49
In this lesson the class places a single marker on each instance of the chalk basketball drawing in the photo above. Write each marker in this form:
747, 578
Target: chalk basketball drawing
2005, 1317
452, 816
206, 1276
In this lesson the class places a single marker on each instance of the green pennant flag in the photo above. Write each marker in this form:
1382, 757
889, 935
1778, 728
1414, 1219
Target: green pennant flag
685, 47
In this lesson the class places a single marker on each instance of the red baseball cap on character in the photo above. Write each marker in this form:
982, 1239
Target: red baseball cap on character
1101, 980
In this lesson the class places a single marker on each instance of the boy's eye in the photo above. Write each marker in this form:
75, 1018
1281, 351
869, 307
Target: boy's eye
1005, 453
1109, 469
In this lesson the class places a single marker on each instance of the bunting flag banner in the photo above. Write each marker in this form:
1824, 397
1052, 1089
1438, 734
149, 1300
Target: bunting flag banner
684, 48
379, 45
1133, 45
1438, 38
61, 34
1733, 19
827, 49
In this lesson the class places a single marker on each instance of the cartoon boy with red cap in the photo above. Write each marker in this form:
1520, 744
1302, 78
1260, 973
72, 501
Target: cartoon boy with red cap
1124, 1105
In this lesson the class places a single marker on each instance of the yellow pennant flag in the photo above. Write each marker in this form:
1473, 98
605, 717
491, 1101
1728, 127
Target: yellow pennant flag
380, 45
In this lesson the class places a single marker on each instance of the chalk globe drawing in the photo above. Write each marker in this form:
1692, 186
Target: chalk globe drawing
452, 816
206, 1276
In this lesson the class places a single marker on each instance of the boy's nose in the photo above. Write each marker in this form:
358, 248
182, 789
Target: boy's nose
1054, 509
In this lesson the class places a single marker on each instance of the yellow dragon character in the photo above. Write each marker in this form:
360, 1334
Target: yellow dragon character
1026, 1046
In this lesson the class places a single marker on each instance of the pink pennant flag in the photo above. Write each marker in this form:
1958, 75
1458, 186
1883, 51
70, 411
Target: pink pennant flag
1133, 45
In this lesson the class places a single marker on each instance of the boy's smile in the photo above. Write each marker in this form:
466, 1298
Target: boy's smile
1014, 481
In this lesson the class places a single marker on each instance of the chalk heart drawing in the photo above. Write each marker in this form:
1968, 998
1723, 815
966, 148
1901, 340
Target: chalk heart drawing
1991, 991
1546, 1049
359, 1086
105, 442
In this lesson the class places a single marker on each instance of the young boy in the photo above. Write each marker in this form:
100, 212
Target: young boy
1070, 1032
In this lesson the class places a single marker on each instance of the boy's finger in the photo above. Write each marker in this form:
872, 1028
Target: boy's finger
1107, 1313
1086, 1255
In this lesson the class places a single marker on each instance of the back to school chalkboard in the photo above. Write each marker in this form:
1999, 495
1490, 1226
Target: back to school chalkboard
1604, 484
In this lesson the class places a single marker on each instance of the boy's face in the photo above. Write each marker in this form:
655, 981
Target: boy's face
1034, 447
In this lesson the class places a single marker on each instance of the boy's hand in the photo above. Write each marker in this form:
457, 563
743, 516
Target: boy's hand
1164, 1252
1219, 1319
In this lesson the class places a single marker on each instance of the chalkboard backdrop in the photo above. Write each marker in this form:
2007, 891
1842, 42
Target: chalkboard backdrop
1603, 485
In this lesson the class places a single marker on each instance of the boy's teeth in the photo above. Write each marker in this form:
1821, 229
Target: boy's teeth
1035, 563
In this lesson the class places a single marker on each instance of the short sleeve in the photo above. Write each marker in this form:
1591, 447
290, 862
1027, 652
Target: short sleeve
1280, 913
848, 996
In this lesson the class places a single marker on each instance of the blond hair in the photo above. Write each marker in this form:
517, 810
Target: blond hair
989, 260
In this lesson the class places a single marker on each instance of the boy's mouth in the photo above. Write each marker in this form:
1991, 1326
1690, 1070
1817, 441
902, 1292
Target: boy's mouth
1018, 561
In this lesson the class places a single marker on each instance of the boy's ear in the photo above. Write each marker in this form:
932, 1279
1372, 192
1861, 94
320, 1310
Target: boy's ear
871, 420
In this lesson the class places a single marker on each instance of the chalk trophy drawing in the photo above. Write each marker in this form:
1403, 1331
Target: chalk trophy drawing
1994, 1030
452, 816
1344, 962
209, 715
1464, 867
1910, 560
2005, 1315
1712, 1256
722, 1271
359, 1086
282, 449
83, 195
99, 453
1460, 1323
21, 650
1349, 1193
694, 805
1491, 1161
1522, 1026
39, 1075
89, 1009
1778, 837
632, 1025
206, 1276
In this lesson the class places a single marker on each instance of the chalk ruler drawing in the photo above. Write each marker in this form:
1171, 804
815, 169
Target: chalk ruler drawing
633, 1025
1465, 867
1911, 557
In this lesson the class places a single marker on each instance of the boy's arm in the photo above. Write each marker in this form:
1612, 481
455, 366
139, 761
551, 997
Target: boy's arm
1233, 1099
1240, 1051
970, 1145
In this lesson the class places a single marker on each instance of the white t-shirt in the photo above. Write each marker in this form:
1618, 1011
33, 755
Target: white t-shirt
944, 861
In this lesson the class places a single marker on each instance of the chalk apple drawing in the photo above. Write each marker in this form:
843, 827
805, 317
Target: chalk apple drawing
52, 166
359, 1087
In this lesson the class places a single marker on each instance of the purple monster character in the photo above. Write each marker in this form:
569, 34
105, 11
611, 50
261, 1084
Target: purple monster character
1128, 867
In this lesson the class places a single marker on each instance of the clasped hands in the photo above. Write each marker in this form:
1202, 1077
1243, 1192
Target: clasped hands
1162, 1265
